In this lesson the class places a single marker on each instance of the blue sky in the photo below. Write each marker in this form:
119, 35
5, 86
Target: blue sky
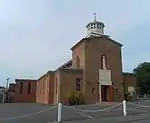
30, 31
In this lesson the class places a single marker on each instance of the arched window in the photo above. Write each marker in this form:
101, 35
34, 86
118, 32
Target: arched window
103, 61
77, 62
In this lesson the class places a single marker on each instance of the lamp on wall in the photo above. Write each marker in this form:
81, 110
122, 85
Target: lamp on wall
117, 91
121, 82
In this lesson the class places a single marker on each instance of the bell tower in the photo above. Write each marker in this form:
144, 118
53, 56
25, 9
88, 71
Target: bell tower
95, 28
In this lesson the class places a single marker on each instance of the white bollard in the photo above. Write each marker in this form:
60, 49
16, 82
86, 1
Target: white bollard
124, 108
59, 112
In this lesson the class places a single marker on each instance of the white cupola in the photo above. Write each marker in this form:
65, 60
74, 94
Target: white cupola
95, 28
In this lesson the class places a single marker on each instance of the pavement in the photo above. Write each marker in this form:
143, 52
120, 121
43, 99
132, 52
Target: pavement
104, 113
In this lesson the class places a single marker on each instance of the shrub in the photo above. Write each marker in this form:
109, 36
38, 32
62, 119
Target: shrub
128, 96
76, 98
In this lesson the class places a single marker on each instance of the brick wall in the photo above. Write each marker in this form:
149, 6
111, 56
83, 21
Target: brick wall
45, 89
26, 93
130, 80
68, 82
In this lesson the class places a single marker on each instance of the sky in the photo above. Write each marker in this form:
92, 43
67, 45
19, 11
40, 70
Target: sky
36, 35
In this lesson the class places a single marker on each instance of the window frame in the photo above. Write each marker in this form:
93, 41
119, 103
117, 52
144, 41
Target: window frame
29, 87
21, 87
78, 62
78, 84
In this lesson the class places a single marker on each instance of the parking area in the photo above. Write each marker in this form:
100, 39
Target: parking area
108, 113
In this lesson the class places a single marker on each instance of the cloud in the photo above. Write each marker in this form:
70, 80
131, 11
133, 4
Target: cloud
36, 35
136, 47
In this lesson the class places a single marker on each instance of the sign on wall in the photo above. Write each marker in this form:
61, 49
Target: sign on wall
130, 89
105, 77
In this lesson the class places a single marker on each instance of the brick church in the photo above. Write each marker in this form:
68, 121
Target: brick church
95, 69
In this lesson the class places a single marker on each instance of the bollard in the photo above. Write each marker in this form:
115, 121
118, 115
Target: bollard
59, 112
124, 108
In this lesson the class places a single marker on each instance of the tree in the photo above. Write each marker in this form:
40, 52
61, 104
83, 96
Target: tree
143, 77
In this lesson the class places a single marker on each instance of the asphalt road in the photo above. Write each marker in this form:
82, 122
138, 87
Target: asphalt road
38, 113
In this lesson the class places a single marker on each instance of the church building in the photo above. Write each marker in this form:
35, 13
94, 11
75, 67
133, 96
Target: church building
95, 69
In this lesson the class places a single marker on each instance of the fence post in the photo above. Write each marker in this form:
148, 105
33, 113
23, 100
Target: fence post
124, 108
59, 112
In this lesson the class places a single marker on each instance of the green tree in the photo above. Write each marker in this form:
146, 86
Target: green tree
143, 77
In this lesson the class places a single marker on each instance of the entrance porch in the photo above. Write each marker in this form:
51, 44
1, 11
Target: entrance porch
105, 86
106, 93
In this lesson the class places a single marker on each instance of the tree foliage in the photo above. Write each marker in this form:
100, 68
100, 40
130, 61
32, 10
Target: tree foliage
143, 77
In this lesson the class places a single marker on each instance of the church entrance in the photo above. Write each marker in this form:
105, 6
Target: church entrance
105, 91
104, 82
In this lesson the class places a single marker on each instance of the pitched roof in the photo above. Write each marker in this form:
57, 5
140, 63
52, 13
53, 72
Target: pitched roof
88, 39
66, 64
17, 80
128, 74
49, 72
2, 87
95, 22
71, 69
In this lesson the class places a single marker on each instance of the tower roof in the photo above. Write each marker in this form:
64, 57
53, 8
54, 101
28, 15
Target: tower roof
95, 28
95, 22
89, 39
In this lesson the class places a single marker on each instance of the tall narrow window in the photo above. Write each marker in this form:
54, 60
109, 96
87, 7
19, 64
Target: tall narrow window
93, 90
37, 87
29, 87
78, 84
21, 88
78, 62
103, 62
56, 84
43, 87
40, 87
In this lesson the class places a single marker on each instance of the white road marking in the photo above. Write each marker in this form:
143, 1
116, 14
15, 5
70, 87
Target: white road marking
90, 117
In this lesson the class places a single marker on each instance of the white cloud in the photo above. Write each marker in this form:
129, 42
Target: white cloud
36, 35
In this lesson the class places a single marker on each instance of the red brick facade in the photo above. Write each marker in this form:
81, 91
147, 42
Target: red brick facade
95, 70
56, 86
45, 88
25, 90
11, 93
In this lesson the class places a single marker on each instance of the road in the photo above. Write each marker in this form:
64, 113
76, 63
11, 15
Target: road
39, 113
